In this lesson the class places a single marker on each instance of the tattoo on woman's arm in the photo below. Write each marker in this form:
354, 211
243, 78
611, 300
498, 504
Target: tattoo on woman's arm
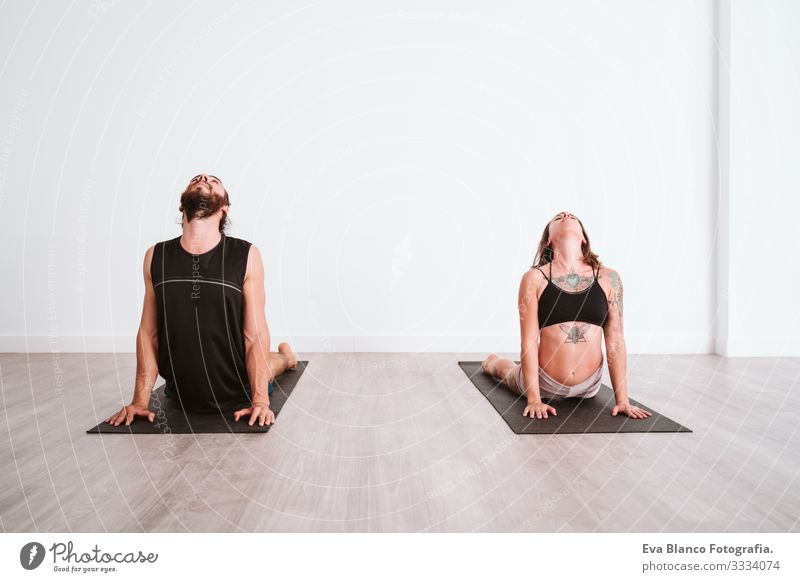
616, 290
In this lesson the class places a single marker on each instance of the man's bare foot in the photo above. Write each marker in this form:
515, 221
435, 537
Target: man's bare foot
287, 351
489, 364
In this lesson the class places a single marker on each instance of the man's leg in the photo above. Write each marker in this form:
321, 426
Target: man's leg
282, 360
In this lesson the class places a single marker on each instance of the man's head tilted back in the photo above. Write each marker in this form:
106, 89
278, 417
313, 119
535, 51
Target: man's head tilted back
204, 197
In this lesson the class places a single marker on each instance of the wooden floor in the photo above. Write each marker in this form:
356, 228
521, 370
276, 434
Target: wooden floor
376, 442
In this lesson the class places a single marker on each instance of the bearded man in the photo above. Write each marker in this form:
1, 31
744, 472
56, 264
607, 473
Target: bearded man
203, 327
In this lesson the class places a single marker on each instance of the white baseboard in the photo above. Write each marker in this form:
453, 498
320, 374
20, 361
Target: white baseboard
674, 344
67, 344
305, 343
755, 347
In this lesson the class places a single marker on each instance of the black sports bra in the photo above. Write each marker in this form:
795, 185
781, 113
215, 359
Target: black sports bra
557, 305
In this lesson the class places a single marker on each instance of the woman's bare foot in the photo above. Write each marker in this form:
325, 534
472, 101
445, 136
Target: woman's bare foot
287, 351
489, 365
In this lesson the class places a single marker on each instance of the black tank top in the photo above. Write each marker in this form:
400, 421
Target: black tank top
557, 305
201, 349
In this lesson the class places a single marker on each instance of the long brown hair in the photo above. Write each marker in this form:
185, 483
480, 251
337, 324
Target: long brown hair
544, 254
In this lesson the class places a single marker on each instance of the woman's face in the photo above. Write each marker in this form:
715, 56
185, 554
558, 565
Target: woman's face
565, 224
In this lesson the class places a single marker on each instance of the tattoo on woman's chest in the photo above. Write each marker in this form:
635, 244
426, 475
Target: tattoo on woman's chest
575, 332
573, 281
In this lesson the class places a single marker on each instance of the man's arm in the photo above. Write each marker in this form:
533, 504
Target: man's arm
146, 355
616, 350
256, 331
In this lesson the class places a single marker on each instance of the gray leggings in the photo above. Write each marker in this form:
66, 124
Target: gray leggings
586, 389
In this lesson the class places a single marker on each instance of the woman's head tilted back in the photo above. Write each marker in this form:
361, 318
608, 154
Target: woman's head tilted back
564, 224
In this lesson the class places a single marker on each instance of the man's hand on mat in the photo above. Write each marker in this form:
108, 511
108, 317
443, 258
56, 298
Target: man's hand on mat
258, 412
538, 410
128, 412
630, 410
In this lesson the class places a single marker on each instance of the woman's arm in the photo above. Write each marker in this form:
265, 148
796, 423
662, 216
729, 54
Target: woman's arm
617, 351
529, 334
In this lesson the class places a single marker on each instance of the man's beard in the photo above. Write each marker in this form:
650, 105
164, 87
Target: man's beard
200, 202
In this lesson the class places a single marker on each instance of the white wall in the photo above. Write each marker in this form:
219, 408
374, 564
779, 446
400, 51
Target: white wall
395, 162
759, 274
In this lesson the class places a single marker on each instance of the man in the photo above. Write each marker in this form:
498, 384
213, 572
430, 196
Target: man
203, 326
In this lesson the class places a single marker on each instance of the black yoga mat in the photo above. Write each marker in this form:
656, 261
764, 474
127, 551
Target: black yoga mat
171, 418
575, 415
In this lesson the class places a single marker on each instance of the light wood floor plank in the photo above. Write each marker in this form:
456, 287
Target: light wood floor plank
379, 442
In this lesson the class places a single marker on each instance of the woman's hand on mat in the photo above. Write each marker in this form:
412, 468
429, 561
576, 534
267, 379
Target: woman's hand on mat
630, 410
128, 412
538, 410
258, 412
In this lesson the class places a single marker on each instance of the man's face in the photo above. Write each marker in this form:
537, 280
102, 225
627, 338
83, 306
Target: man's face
204, 196
207, 184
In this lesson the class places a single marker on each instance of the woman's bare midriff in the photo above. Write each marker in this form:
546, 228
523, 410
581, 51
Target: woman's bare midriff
569, 357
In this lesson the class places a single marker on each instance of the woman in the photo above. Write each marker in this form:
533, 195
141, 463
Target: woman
572, 304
